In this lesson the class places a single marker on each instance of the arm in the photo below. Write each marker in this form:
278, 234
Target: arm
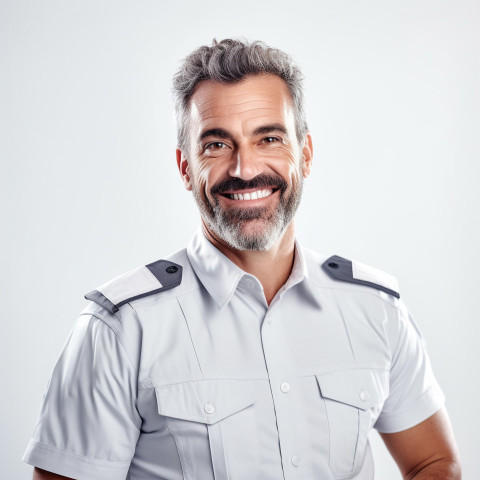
39, 474
426, 451
89, 424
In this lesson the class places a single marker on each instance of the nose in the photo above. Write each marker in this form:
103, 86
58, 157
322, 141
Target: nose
245, 164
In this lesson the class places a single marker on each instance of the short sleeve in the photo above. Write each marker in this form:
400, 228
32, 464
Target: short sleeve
414, 393
88, 425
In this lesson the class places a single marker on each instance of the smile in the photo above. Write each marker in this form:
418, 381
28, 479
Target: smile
255, 195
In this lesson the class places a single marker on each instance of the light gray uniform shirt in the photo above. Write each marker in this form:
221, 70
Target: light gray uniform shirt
205, 381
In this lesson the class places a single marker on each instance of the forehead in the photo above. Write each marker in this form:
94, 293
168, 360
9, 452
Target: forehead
254, 100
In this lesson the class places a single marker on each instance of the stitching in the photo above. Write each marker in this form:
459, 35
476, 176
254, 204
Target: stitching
340, 311
328, 425
425, 396
181, 454
117, 336
119, 340
204, 380
81, 456
190, 334
151, 299
364, 288
358, 440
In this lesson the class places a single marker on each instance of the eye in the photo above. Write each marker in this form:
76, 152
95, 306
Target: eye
215, 146
271, 140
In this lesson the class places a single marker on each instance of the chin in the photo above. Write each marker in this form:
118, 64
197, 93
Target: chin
256, 236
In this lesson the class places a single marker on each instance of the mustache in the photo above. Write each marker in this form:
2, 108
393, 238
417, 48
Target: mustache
258, 182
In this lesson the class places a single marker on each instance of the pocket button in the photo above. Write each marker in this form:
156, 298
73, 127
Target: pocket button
364, 395
209, 408
295, 461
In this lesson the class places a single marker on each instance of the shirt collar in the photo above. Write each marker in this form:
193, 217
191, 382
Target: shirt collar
220, 276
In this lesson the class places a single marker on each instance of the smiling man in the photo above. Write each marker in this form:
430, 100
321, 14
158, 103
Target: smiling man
244, 356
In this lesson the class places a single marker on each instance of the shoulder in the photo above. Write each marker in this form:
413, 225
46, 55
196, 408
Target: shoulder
143, 281
352, 271
337, 271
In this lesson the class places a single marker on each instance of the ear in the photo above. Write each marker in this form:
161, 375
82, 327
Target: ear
307, 153
184, 169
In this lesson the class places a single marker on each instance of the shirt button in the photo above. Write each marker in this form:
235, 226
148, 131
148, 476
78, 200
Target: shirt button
364, 396
209, 408
295, 461
285, 387
249, 283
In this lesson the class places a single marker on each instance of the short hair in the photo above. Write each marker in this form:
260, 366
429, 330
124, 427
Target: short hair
230, 61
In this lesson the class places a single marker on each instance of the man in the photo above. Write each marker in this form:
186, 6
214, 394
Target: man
244, 356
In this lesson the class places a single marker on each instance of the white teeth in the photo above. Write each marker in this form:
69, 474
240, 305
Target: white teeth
251, 195
266, 193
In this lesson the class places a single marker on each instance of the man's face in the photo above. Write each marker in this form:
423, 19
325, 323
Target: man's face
245, 165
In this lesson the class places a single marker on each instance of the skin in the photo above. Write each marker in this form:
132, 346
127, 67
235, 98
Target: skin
426, 451
39, 474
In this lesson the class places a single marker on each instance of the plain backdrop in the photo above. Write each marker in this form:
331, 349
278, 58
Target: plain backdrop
89, 186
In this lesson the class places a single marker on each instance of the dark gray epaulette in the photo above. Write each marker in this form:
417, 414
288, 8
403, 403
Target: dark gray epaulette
345, 270
141, 282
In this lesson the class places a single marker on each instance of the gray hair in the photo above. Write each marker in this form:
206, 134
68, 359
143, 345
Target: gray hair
230, 61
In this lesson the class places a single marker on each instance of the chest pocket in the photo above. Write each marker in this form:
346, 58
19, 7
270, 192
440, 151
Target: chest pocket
353, 401
214, 426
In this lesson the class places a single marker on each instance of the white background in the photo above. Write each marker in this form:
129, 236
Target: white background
89, 187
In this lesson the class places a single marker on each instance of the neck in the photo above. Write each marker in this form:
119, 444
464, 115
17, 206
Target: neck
272, 267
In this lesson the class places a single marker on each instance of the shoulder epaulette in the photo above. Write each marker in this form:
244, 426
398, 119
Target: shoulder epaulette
355, 272
140, 282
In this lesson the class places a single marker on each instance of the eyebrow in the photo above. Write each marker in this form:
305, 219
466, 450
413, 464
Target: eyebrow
221, 133
274, 127
216, 132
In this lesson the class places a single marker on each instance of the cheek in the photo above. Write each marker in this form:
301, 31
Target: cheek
287, 165
207, 173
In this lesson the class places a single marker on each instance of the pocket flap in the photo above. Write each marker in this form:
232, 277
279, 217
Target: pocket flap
360, 388
204, 401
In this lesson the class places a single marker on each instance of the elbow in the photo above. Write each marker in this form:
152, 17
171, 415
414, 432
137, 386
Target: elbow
441, 468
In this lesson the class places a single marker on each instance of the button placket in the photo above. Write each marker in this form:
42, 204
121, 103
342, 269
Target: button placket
288, 407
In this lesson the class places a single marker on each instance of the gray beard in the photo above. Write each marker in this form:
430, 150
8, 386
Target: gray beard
228, 224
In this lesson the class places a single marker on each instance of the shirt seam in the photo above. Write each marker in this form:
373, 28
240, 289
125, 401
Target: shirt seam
190, 335
117, 336
120, 342
179, 447
408, 408
149, 300
81, 456
364, 288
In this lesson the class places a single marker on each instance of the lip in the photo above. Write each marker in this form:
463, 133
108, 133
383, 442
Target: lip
250, 190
